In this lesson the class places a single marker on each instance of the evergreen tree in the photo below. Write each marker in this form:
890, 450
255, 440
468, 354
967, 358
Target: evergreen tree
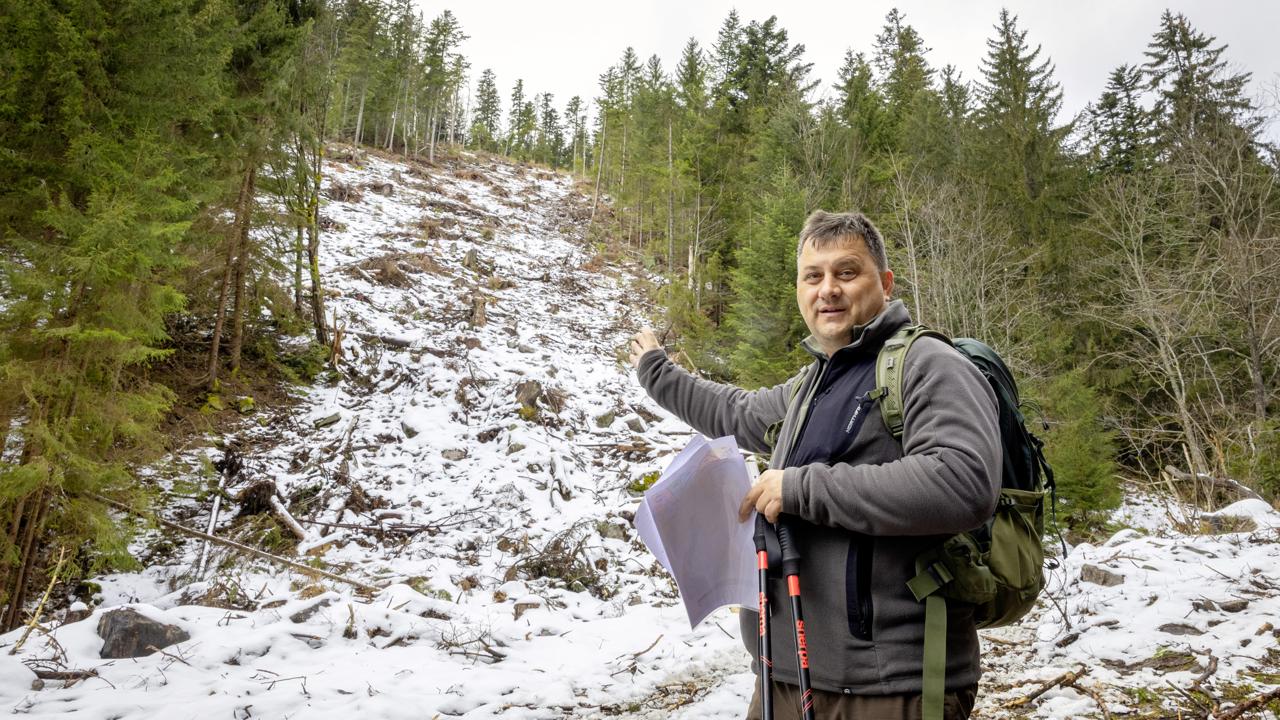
514, 138
487, 123
1082, 453
1022, 147
1119, 127
905, 76
691, 79
575, 114
106, 124
763, 318
860, 104
1196, 93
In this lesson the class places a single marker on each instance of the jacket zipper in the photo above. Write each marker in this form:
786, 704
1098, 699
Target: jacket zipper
857, 586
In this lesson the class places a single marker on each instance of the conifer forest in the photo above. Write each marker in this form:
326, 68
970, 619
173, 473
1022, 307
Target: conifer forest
164, 178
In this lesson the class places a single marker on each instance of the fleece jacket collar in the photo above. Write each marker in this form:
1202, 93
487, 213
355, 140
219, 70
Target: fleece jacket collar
873, 334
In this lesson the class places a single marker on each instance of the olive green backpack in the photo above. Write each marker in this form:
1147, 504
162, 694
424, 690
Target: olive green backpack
999, 567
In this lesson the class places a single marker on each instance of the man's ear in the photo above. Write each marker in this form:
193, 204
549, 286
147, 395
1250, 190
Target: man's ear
886, 281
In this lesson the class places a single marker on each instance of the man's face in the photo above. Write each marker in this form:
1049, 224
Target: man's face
839, 288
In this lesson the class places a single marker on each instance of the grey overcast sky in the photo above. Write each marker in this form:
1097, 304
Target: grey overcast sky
562, 46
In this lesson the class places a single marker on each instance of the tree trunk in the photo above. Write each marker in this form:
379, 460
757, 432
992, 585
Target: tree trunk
298, 247
431, 130
317, 293
391, 131
360, 116
1256, 375
242, 269
671, 205
313, 243
219, 315
346, 97
453, 113
26, 561
595, 197
694, 245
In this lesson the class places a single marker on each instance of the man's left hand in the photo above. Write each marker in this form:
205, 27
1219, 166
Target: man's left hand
765, 497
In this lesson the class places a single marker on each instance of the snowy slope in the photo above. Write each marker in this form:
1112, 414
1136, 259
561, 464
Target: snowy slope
511, 583
430, 440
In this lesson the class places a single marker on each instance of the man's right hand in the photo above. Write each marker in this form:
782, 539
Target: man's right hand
641, 343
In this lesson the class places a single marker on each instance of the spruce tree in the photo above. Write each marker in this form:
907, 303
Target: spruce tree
1119, 127
1196, 92
1018, 104
106, 123
905, 78
860, 104
763, 318
487, 123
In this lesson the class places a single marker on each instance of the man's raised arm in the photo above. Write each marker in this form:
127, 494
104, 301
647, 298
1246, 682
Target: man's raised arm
713, 409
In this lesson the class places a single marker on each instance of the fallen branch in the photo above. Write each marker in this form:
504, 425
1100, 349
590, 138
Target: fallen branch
1066, 678
307, 569
1204, 711
1254, 702
1097, 697
35, 614
65, 674
651, 646
1208, 671
286, 517
1213, 482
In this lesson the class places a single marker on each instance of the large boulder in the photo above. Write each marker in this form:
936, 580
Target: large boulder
127, 633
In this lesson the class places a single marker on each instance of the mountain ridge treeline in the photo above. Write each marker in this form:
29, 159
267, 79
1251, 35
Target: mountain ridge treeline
161, 169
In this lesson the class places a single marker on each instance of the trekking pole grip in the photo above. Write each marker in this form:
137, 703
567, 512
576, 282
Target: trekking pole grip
762, 532
790, 549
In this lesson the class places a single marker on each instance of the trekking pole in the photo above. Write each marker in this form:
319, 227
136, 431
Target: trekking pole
791, 569
762, 645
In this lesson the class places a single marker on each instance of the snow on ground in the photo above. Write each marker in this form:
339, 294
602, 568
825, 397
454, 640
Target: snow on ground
511, 582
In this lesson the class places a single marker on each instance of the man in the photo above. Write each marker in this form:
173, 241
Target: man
863, 504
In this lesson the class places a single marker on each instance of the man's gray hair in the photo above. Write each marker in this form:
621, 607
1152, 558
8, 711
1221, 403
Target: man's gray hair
823, 229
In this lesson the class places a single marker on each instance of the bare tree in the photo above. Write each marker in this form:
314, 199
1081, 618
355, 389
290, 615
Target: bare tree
1154, 287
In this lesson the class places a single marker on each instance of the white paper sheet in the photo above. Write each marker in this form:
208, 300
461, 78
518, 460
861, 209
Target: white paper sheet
689, 521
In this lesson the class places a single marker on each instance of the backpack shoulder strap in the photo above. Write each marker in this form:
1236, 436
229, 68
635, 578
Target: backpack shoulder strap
890, 370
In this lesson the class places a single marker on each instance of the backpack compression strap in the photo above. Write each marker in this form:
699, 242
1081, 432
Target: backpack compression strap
890, 369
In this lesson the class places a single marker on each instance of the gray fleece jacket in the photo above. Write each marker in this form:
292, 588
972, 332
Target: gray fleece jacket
865, 514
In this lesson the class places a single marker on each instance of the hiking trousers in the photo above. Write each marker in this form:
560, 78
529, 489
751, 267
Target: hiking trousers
837, 706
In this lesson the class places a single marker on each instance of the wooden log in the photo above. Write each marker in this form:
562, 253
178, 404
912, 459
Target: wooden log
306, 569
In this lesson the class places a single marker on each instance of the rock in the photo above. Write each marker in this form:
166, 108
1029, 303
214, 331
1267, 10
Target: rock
454, 454
77, 612
528, 392
309, 611
611, 530
525, 349
1234, 606
605, 420
127, 633
245, 405
1098, 576
1180, 629
409, 430
514, 448
325, 422
470, 261
636, 425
